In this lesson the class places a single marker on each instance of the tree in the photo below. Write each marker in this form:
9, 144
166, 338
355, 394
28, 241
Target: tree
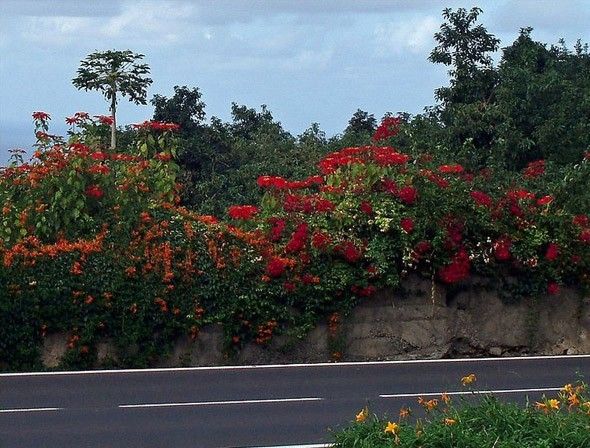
361, 122
111, 72
185, 108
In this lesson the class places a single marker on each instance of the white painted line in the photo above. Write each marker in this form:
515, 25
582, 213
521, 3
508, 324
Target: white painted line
285, 366
7, 411
219, 403
476, 392
312, 445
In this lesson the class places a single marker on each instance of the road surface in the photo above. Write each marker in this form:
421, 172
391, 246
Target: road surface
249, 406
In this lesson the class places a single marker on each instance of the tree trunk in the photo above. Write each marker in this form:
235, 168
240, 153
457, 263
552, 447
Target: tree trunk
113, 116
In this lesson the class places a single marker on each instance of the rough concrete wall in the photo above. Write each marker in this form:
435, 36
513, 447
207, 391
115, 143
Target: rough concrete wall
419, 321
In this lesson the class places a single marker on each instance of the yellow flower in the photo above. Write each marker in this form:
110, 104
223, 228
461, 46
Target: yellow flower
573, 400
450, 421
568, 389
362, 415
391, 428
553, 404
469, 379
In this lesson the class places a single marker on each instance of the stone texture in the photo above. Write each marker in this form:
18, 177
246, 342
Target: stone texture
55, 346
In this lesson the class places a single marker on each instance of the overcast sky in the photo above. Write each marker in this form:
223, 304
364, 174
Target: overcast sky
308, 60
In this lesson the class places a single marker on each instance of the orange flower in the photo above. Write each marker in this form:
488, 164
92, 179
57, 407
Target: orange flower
449, 421
445, 398
76, 268
362, 415
391, 428
404, 412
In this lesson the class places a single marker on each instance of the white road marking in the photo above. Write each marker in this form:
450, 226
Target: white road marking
284, 366
6, 411
475, 392
219, 403
312, 445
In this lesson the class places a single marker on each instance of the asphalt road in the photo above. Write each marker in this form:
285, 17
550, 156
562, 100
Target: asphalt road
250, 406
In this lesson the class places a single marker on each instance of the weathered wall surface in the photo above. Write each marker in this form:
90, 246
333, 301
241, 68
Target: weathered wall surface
421, 322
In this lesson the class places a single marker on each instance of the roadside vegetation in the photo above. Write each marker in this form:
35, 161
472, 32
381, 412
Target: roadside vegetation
478, 421
184, 224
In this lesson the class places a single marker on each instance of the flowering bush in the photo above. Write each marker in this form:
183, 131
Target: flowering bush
94, 243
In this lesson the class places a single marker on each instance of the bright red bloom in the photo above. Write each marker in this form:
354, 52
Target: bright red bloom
386, 156
320, 240
157, 126
552, 288
41, 116
278, 225
349, 251
98, 155
94, 191
545, 200
408, 195
104, 119
389, 127
552, 252
271, 182
298, 239
366, 207
71, 120
534, 169
244, 212
99, 169
450, 169
276, 267
407, 224
502, 249
482, 198
457, 270
517, 195
581, 220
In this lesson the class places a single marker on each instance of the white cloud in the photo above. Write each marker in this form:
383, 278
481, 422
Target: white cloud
414, 35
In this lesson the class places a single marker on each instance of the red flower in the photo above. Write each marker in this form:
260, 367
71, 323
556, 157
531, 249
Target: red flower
534, 169
289, 286
94, 191
422, 247
271, 182
278, 225
98, 155
276, 267
41, 116
502, 249
386, 156
71, 120
244, 212
408, 195
320, 240
450, 169
389, 127
585, 236
407, 224
457, 270
581, 220
104, 119
552, 288
552, 252
349, 251
482, 198
298, 239
545, 200
366, 207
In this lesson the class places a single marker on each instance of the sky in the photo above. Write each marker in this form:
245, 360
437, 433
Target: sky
307, 60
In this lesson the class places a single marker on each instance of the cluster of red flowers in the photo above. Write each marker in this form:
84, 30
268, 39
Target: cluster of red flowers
104, 119
298, 239
534, 169
280, 183
41, 116
244, 212
77, 118
276, 231
502, 248
276, 267
94, 191
407, 224
482, 198
388, 128
450, 169
307, 204
265, 331
457, 270
157, 126
349, 251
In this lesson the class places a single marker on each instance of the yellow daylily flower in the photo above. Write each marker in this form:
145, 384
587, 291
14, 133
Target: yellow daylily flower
362, 415
449, 421
391, 428
469, 379
553, 404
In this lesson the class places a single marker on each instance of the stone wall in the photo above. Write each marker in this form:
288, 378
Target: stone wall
421, 320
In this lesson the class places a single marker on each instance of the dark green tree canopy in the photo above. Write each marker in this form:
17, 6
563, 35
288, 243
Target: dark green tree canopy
185, 108
361, 122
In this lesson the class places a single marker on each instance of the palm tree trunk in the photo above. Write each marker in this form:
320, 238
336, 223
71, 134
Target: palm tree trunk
113, 116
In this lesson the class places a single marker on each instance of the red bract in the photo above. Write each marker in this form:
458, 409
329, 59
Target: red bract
581, 220
271, 182
435, 178
502, 249
408, 195
519, 194
104, 119
457, 270
545, 200
276, 267
244, 212
552, 252
387, 156
450, 169
278, 225
407, 224
552, 288
298, 239
482, 198
366, 207
422, 247
320, 240
94, 191
585, 236
98, 155
157, 126
41, 116
534, 169
349, 251
389, 127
